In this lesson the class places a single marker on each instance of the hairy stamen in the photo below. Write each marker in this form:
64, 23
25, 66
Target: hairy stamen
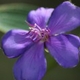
36, 33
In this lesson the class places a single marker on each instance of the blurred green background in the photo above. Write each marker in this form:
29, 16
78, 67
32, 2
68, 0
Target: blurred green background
12, 15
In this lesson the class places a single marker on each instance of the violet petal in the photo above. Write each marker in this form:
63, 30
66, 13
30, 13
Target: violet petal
64, 49
39, 16
64, 18
15, 42
32, 65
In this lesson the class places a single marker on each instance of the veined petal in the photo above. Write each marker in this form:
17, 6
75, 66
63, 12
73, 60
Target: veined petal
75, 40
15, 42
64, 49
39, 16
32, 65
65, 17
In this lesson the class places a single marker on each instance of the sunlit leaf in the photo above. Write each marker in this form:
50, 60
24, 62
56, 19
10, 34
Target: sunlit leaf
14, 16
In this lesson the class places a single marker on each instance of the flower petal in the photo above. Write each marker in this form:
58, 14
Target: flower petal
32, 65
65, 17
15, 42
64, 48
39, 16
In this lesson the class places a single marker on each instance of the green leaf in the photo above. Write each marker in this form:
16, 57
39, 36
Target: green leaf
13, 16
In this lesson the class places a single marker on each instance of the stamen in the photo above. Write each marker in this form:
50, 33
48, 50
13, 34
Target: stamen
36, 33
36, 26
29, 24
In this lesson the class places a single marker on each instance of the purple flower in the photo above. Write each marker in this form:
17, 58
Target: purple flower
31, 65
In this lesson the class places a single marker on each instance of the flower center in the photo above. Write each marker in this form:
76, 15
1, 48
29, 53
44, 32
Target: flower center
38, 34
